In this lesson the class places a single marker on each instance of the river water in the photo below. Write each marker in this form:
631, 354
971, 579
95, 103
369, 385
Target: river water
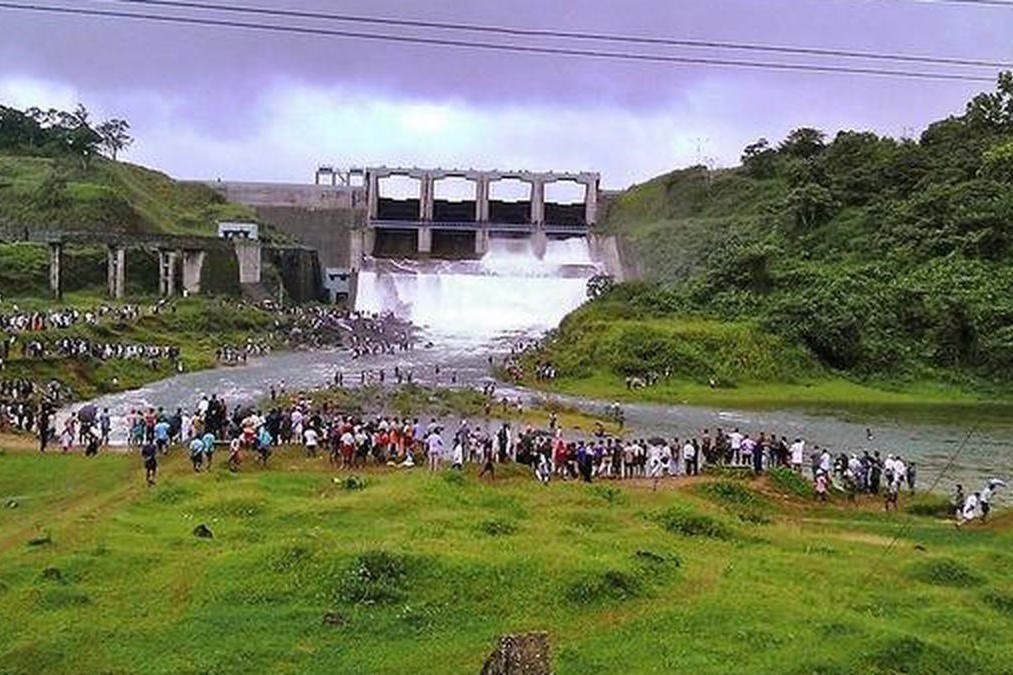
471, 315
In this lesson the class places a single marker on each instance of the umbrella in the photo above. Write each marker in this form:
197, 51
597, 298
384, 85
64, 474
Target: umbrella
657, 440
995, 482
87, 414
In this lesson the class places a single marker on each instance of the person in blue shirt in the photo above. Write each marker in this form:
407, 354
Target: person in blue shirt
162, 429
264, 442
209, 447
197, 453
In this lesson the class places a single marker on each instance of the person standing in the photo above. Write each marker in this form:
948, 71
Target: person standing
434, 445
196, 453
149, 456
105, 425
689, 458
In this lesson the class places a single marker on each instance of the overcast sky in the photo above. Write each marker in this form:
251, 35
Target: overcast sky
238, 104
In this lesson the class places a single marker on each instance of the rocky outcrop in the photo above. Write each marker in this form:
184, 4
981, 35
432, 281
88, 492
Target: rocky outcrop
526, 654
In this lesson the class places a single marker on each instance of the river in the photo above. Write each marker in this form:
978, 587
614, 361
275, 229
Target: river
474, 312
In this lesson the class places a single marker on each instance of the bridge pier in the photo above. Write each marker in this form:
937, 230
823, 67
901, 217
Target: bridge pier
248, 256
116, 266
167, 273
537, 200
539, 242
425, 240
482, 199
193, 265
481, 241
55, 269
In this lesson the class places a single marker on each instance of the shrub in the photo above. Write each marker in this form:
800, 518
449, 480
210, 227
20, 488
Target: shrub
610, 494
1000, 602
612, 585
945, 572
787, 481
353, 483
730, 493
932, 506
497, 528
376, 577
689, 524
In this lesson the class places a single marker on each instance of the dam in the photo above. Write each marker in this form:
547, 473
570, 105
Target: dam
397, 239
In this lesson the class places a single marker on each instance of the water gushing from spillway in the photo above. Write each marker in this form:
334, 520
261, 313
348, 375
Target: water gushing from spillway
509, 291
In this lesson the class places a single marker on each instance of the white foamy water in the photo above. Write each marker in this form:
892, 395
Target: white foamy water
509, 291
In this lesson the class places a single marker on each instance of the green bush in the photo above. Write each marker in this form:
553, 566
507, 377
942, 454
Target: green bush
497, 528
788, 481
945, 572
375, 578
689, 524
609, 586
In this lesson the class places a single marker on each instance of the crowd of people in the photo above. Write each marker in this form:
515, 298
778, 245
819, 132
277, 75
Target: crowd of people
232, 355
352, 441
19, 321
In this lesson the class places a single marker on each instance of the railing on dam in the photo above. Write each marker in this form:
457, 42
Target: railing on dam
575, 229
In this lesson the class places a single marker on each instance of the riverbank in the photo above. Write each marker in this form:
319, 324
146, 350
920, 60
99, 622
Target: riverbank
452, 404
690, 577
918, 402
198, 327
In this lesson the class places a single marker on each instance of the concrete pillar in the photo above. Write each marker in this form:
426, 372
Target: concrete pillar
248, 256
116, 268
537, 201
481, 241
427, 197
372, 196
539, 242
55, 269
591, 202
482, 199
193, 264
167, 273
425, 240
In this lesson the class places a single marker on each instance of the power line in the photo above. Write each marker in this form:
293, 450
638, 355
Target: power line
566, 34
502, 47
980, 3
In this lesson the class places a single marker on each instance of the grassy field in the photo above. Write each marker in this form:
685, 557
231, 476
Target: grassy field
109, 195
422, 572
914, 402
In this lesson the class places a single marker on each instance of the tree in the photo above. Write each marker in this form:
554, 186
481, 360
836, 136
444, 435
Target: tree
115, 136
811, 205
82, 141
804, 143
758, 159
998, 163
993, 112
599, 285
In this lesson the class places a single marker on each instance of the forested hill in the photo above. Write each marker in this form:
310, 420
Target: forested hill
878, 255
60, 169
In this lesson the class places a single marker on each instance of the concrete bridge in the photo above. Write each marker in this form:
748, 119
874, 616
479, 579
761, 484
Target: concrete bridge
481, 215
172, 250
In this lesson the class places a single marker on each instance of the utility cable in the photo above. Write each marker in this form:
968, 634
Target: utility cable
500, 47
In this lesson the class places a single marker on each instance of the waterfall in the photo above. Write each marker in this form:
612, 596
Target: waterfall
509, 291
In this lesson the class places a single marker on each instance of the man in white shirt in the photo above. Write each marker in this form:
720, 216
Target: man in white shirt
312, 440
797, 454
735, 443
689, 457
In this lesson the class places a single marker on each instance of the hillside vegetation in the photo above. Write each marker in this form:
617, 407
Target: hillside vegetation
419, 572
58, 171
882, 259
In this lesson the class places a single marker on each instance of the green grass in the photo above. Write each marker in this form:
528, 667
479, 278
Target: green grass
110, 195
928, 401
416, 573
